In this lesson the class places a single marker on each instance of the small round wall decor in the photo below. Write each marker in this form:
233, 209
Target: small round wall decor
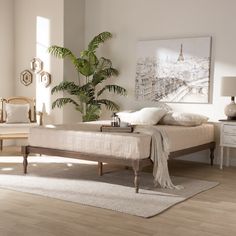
36, 65
26, 77
45, 78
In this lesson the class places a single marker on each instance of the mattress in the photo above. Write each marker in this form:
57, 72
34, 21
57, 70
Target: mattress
87, 138
180, 137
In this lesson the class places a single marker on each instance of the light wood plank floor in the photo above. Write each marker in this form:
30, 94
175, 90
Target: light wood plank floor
211, 213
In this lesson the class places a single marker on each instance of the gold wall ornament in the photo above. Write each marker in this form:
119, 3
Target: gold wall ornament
26, 77
45, 78
36, 65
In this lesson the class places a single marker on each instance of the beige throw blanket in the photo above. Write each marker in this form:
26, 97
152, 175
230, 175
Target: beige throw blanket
159, 156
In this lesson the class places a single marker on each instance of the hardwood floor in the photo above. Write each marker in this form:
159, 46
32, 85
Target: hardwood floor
209, 213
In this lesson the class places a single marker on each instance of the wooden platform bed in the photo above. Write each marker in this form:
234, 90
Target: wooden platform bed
137, 165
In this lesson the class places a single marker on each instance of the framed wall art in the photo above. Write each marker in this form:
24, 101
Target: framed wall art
36, 65
26, 77
173, 70
45, 79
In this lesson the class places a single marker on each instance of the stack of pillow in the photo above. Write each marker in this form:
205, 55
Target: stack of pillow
157, 115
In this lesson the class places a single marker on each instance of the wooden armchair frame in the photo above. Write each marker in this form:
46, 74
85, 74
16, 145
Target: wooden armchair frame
32, 116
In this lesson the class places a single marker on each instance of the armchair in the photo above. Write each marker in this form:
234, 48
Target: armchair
17, 115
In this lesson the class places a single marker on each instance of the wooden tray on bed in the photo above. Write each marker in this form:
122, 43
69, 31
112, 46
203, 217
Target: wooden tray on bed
108, 128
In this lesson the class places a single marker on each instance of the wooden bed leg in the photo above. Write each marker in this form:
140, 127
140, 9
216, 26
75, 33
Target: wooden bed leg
212, 155
136, 181
135, 166
25, 163
1, 144
25, 158
100, 169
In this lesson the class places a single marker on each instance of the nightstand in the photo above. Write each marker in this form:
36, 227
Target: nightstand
227, 140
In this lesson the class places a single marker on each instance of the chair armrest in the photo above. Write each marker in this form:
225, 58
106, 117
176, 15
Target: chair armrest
2, 100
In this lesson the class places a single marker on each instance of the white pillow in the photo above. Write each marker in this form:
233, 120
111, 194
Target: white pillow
164, 106
183, 119
17, 113
145, 116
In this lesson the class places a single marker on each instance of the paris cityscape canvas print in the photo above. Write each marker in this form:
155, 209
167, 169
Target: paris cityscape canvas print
173, 70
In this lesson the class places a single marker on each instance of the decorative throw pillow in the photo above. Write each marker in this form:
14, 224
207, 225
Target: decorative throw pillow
17, 113
145, 116
183, 119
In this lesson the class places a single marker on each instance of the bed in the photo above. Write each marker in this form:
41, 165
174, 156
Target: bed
85, 141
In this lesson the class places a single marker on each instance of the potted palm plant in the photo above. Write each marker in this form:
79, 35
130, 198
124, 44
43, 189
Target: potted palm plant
86, 93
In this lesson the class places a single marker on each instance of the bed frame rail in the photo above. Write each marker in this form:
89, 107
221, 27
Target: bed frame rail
136, 164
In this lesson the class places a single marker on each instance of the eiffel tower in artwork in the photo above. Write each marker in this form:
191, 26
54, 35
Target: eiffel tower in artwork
181, 57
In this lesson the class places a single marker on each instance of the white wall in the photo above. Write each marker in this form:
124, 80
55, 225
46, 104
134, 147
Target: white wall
129, 21
133, 20
74, 21
26, 13
66, 19
6, 48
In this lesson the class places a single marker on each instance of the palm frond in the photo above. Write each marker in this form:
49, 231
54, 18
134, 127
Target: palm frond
86, 96
65, 86
110, 105
109, 72
113, 88
103, 63
103, 75
101, 38
98, 78
60, 102
85, 67
92, 112
60, 52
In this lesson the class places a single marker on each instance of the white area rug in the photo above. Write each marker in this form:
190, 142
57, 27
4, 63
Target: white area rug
77, 181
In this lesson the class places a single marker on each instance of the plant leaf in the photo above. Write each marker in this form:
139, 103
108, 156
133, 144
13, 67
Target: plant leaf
85, 67
61, 52
103, 63
103, 75
60, 102
110, 105
65, 86
100, 38
113, 88
109, 72
92, 112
